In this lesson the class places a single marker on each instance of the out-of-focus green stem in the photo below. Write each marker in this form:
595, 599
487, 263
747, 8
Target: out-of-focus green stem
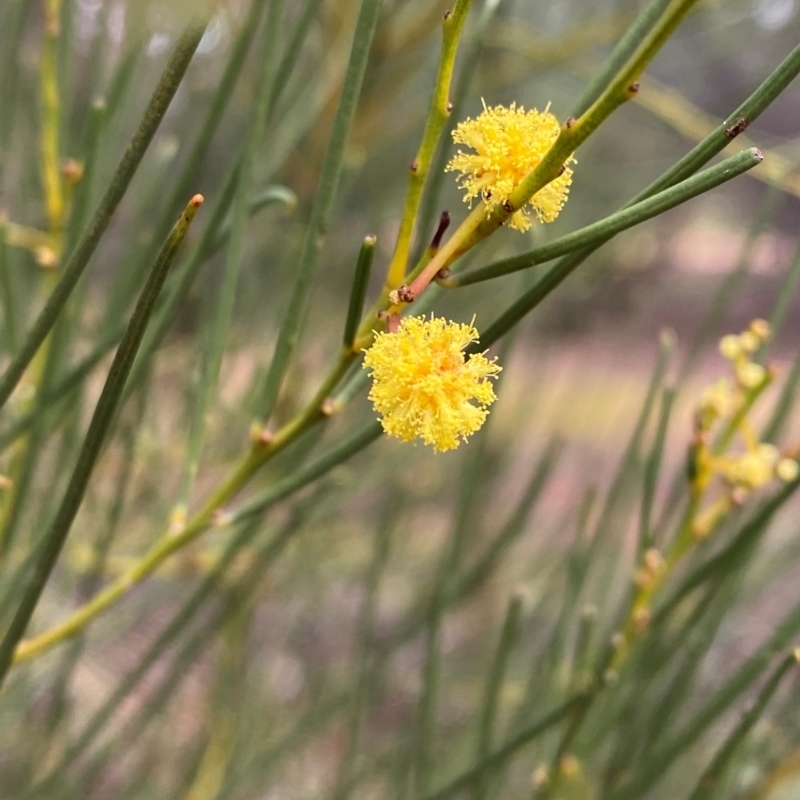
79, 259
222, 313
102, 418
51, 120
715, 769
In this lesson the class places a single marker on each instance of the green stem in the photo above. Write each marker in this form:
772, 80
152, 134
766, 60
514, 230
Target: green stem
438, 114
359, 291
494, 683
598, 232
50, 147
470, 62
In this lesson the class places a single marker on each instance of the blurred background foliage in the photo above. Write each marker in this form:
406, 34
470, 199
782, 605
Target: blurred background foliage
400, 627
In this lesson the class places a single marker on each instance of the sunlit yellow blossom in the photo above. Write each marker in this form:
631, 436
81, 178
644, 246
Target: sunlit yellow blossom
509, 143
422, 383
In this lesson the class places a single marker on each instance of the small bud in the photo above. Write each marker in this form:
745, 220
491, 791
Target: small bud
730, 346
72, 171
787, 470
540, 777
751, 375
569, 766
750, 341
760, 328
46, 257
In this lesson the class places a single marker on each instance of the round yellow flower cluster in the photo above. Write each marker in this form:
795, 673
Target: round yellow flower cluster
422, 386
509, 143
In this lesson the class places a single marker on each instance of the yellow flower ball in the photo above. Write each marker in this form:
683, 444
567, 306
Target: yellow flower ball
423, 386
509, 143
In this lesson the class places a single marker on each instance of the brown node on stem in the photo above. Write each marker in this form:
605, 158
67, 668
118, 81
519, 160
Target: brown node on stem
740, 125
509, 206
414, 165
405, 294
569, 122
327, 408
260, 435
562, 169
447, 15
443, 273
449, 106
633, 88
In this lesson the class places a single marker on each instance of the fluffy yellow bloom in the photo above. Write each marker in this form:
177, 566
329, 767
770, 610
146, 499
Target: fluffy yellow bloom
422, 386
509, 143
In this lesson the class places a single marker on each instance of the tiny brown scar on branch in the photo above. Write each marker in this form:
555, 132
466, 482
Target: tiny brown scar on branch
739, 125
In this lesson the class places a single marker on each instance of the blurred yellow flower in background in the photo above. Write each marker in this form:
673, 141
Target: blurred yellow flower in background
423, 385
509, 143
